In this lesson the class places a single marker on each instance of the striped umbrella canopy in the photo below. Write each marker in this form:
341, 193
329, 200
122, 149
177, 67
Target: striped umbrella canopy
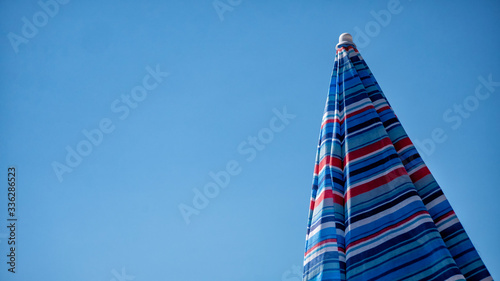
376, 211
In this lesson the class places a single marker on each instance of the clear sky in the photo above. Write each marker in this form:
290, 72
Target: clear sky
175, 140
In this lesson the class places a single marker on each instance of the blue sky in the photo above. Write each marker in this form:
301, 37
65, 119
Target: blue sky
165, 99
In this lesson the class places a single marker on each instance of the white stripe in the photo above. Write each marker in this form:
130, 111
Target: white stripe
331, 115
380, 215
388, 236
315, 254
376, 176
457, 277
449, 223
368, 155
392, 125
403, 148
364, 129
361, 104
435, 202
320, 227
380, 103
414, 169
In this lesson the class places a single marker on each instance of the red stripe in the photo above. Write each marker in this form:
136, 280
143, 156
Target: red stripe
332, 161
383, 108
402, 143
376, 182
420, 173
321, 243
385, 229
341, 121
335, 120
347, 49
353, 155
328, 193
325, 194
361, 110
445, 216
311, 206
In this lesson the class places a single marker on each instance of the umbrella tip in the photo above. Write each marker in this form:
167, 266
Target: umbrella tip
345, 38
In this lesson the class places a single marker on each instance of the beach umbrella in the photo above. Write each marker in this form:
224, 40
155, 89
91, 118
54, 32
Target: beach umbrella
376, 211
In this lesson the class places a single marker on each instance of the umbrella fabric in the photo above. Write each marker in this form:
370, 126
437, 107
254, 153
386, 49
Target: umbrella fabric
376, 211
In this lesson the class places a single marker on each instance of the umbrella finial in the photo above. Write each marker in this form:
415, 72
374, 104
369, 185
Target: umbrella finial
345, 38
